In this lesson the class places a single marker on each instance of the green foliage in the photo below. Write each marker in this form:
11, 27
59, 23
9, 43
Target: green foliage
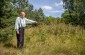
49, 20
75, 12
38, 15
41, 14
5, 11
6, 34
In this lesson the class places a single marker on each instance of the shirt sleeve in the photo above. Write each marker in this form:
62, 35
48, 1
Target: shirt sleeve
29, 21
16, 24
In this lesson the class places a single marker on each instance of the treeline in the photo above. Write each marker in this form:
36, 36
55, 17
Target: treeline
75, 12
9, 10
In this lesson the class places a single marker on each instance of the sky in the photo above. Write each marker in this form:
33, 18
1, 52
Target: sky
50, 7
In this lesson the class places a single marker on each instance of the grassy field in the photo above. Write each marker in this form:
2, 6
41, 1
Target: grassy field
52, 39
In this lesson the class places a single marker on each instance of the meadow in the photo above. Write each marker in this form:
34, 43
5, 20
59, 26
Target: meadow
52, 39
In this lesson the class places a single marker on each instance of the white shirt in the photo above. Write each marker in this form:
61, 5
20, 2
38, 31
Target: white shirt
21, 22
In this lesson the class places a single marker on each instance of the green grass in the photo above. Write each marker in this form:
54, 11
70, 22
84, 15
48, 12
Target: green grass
53, 39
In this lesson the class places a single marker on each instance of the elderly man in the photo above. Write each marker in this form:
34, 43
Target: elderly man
20, 23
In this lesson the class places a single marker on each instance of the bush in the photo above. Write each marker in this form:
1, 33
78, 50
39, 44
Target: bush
6, 34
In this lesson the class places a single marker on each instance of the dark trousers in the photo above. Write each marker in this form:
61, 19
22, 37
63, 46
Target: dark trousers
20, 38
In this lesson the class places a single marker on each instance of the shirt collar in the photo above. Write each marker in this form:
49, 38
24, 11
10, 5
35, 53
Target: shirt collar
22, 17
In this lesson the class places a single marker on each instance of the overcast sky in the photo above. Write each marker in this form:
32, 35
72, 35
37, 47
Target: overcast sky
50, 7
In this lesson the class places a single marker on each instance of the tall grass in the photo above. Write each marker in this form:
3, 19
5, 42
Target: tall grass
52, 39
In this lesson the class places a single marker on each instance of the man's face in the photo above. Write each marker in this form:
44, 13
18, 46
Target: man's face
22, 14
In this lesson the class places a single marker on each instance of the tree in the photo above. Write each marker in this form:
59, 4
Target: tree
41, 15
38, 15
76, 11
4, 12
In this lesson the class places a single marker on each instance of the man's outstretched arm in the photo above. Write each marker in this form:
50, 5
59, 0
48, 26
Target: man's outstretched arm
28, 21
